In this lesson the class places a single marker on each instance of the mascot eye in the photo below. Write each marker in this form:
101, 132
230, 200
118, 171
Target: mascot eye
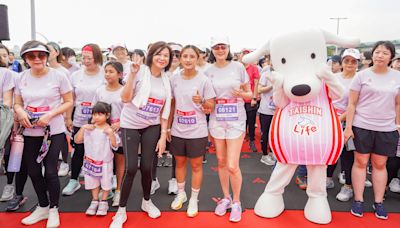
312, 55
283, 60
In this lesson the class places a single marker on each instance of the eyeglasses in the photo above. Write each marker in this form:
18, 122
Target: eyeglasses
350, 61
33, 55
220, 47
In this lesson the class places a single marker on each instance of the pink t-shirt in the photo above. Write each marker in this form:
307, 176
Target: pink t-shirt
229, 111
6, 81
133, 117
189, 121
254, 74
341, 104
267, 106
307, 133
85, 89
375, 109
41, 95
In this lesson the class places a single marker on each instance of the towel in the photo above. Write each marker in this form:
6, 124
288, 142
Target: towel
143, 95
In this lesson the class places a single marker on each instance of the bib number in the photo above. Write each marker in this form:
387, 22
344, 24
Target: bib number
226, 110
92, 168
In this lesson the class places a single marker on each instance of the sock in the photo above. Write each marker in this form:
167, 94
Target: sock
181, 187
195, 194
121, 210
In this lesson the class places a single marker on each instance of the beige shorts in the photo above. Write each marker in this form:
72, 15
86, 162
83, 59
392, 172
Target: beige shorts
226, 133
105, 181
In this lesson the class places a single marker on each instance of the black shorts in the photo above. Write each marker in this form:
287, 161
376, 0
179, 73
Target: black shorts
191, 148
119, 150
377, 142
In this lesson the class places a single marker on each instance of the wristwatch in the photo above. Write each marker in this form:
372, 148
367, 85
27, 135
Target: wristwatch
254, 98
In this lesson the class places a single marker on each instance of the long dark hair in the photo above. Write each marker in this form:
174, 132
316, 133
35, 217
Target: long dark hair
103, 108
118, 67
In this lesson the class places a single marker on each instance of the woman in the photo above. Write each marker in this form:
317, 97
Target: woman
40, 111
84, 83
54, 62
144, 119
6, 97
228, 122
350, 58
375, 132
68, 60
193, 93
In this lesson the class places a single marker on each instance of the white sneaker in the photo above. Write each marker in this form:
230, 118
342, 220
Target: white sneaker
60, 158
71, 188
54, 218
342, 178
266, 159
8, 193
150, 208
154, 186
117, 197
192, 209
39, 214
114, 182
179, 200
394, 185
345, 194
368, 183
102, 209
172, 186
118, 220
63, 170
92, 209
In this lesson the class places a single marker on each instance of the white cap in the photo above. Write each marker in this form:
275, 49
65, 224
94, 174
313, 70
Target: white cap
176, 47
219, 40
351, 52
37, 48
115, 46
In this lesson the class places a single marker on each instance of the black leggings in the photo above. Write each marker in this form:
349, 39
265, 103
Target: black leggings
49, 183
64, 152
346, 162
251, 113
393, 167
131, 138
265, 122
7, 148
77, 158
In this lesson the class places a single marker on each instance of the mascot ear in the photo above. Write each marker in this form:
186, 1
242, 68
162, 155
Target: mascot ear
331, 38
257, 54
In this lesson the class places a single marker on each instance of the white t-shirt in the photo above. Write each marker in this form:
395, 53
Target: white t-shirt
133, 117
85, 89
375, 109
189, 121
41, 95
341, 104
98, 145
6, 81
229, 111
267, 106
110, 97
204, 67
73, 68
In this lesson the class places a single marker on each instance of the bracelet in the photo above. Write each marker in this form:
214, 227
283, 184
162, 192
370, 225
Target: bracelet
165, 130
398, 126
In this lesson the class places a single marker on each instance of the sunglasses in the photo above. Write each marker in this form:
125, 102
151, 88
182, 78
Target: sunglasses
176, 54
33, 55
350, 61
220, 47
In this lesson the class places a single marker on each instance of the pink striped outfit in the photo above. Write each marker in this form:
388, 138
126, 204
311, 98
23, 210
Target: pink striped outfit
307, 133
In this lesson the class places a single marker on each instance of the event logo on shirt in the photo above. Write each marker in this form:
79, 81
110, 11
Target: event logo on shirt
304, 126
306, 109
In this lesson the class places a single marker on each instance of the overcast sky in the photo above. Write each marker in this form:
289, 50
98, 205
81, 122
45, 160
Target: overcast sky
247, 23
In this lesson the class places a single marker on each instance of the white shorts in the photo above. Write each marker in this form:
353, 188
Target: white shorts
105, 181
226, 133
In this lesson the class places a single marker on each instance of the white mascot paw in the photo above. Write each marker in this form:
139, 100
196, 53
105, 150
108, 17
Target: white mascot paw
317, 210
276, 79
269, 205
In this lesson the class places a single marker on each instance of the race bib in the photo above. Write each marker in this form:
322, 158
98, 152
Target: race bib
92, 168
37, 112
151, 111
186, 118
226, 109
271, 103
116, 120
86, 108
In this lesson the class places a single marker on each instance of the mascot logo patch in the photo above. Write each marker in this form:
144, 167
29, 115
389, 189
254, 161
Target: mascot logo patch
305, 126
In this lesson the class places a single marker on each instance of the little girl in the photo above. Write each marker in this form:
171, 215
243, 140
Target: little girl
99, 140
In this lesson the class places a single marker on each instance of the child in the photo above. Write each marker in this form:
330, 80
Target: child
99, 140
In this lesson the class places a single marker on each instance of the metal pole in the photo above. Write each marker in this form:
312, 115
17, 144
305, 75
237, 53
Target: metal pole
33, 20
337, 27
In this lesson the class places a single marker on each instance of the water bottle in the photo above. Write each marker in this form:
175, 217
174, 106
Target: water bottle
17, 147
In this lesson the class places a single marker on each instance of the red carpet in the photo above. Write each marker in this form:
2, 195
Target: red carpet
207, 219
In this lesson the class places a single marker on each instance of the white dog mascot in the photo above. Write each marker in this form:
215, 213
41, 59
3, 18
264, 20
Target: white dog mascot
305, 129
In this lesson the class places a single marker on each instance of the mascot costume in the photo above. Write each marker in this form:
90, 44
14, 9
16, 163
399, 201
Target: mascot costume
305, 129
